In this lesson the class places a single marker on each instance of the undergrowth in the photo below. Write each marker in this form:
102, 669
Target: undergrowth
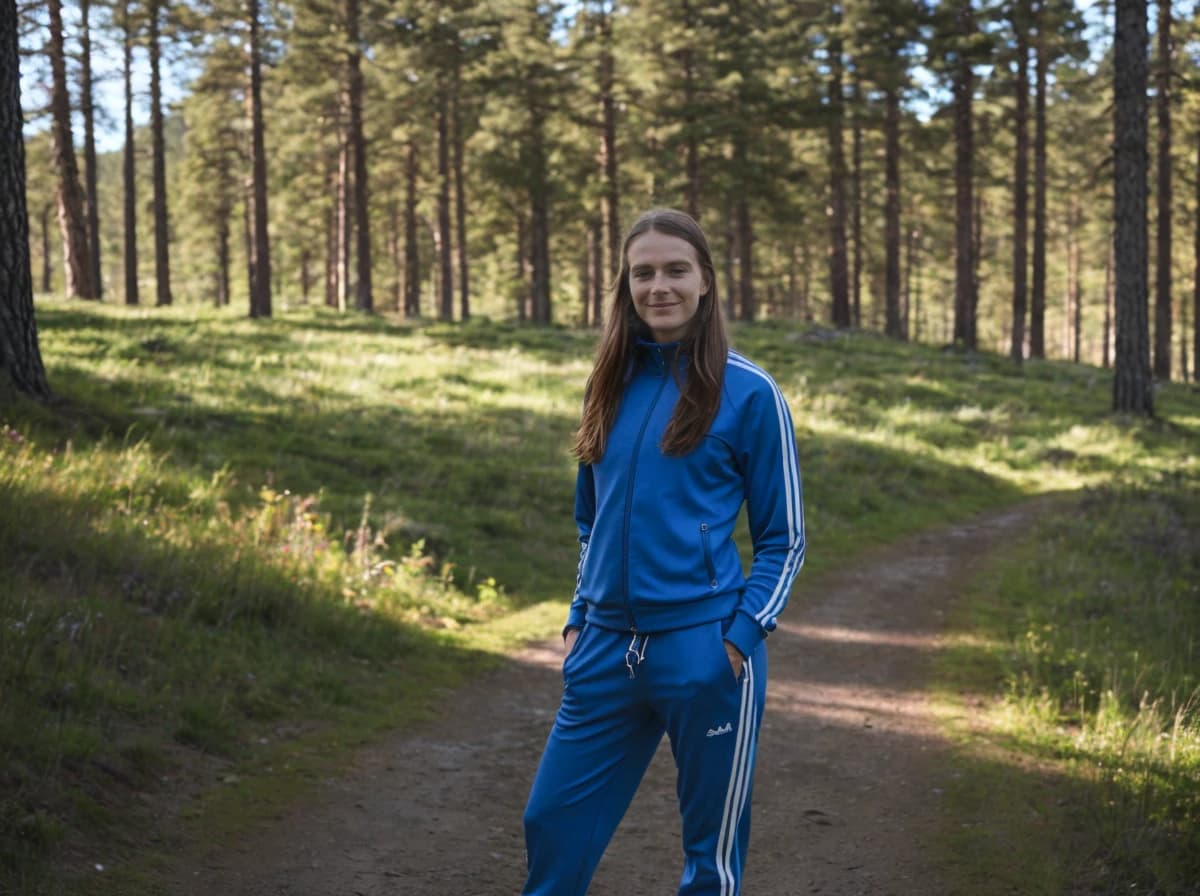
1093, 633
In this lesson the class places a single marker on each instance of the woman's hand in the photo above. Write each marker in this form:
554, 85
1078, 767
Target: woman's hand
735, 659
569, 639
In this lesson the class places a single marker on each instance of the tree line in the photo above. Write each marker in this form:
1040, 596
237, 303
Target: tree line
968, 172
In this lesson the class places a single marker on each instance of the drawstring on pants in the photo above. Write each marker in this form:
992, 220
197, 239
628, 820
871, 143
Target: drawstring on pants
634, 657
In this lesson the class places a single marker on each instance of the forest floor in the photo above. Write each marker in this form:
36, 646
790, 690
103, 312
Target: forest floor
852, 766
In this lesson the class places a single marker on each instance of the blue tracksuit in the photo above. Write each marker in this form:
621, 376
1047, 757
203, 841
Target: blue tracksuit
659, 588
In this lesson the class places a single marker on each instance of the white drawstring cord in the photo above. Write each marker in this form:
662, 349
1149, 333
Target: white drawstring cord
634, 657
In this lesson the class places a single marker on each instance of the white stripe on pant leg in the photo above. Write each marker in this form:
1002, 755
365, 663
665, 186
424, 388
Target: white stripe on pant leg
743, 774
735, 793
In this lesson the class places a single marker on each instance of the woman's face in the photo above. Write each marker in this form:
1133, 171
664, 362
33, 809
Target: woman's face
666, 282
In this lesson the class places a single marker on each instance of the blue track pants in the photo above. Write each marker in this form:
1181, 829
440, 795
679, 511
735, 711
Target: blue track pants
621, 693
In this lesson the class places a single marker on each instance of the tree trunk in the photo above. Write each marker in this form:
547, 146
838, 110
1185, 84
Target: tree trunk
964, 205
20, 358
891, 277
611, 196
731, 260
1132, 380
412, 250
71, 219
539, 218
260, 296
162, 246
460, 198
1020, 260
364, 294
521, 269
445, 249
1196, 279
1037, 315
910, 254
600, 274
87, 107
394, 253
745, 242
332, 229
345, 221
1109, 290
691, 144
964, 202
129, 165
839, 275
1073, 317
47, 270
856, 144
1162, 278
221, 293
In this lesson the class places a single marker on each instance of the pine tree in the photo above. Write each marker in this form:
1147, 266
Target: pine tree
1163, 278
71, 216
20, 357
1132, 379
88, 110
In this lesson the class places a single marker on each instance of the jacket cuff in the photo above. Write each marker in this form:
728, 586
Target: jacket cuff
575, 618
744, 633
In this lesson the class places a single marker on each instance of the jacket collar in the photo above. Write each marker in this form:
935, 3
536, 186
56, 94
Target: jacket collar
658, 357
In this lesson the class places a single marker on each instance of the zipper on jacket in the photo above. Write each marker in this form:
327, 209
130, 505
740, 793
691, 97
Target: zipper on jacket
708, 560
637, 447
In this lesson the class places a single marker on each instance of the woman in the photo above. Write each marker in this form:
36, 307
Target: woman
665, 634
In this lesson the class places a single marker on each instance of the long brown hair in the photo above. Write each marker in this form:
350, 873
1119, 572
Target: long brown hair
705, 345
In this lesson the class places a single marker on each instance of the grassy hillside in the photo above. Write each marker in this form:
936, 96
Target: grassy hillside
231, 548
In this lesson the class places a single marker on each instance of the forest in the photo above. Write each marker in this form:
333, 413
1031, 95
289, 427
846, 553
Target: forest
297, 302
939, 172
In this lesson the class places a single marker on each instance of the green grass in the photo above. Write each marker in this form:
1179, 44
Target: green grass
234, 548
1083, 676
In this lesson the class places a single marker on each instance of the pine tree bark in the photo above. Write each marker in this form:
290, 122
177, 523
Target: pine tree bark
600, 275
260, 295
1109, 295
364, 294
47, 269
460, 195
539, 218
345, 218
891, 277
611, 199
88, 109
1037, 311
221, 286
745, 240
412, 249
691, 144
1163, 278
964, 205
445, 249
1196, 279
1020, 260
839, 275
162, 242
1132, 380
856, 144
129, 164
20, 357
71, 219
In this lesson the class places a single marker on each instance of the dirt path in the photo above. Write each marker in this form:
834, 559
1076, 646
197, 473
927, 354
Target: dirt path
847, 794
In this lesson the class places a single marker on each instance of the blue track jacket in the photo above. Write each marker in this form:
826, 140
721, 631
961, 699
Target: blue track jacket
656, 531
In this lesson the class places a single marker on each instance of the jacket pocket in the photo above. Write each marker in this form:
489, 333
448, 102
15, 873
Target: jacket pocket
708, 558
